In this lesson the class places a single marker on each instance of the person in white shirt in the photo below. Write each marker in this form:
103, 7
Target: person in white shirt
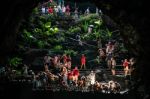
92, 78
43, 10
63, 9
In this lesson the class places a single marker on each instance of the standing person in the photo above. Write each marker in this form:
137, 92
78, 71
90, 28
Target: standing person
65, 75
109, 48
63, 9
102, 57
108, 59
67, 10
97, 11
90, 29
59, 10
113, 64
70, 76
64, 70
75, 74
55, 61
61, 3
25, 70
78, 38
126, 67
92, 78
131, 65
83, 61
109, 53
43, 10
50, 10
87, 11
76, 13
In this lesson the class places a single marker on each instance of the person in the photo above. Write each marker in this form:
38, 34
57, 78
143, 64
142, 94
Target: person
100, 12
97, 10
65, 75
126, 67
70, 76
63, 9
64, 71
55, 10
108, 59
83, 61
109, 48
55, 61
75, 74
113, 64
78, 38
25, 70
109, 53
76, 13
67, 10
50, 10
61, 2
87, 11
89, 29
92, 77
131, 65
43, 10
59, 10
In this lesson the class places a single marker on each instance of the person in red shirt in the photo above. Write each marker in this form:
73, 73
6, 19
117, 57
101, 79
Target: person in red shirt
75, 74
126, 67
83, 61
50, 10
67, 10
70, 76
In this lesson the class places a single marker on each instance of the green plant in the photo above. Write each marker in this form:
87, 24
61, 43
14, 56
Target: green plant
15, 61
27, 36
85, 27
70, 52
99, 22
75, 30
88, 17
109, 33
48, 25
41, 44
57, 48
35, 11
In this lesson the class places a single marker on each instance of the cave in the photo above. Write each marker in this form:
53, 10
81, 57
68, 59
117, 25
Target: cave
129, 14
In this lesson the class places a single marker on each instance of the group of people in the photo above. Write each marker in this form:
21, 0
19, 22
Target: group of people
59, 61
59, 9
108, 55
